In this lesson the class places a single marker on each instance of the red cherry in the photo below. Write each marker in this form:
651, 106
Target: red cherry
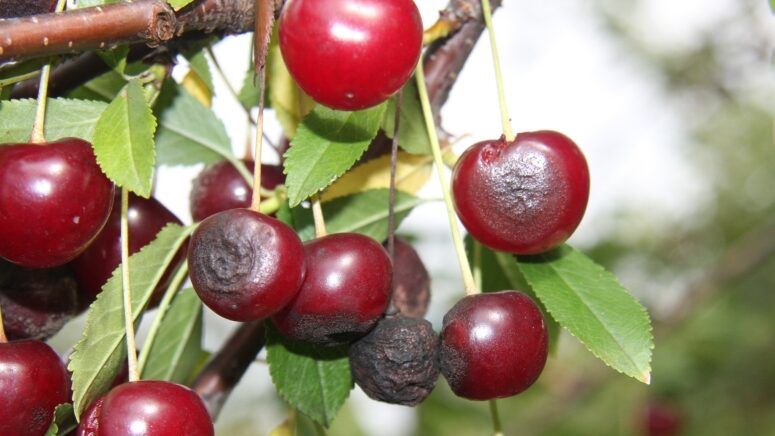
54, 200
245, 265
33, 381
350, 54
523, 197
411, 282
493, 345
221, 187
345, 291
662, 418
147, 407
145, 218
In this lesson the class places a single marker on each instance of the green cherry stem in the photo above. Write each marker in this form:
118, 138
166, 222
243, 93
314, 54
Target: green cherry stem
255, 205
17, 79
457, 239
37, 136
318, 218
131, 346
496, 63
164, 305
496, 419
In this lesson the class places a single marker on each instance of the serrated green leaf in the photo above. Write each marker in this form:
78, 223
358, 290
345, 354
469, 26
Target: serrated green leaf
588, 301
327, 143
190, 133
123, 140
365, 212
179, 4
316, 380
64, 421
98, 355
413, 137
103, 88
178, 346
249, 92
197, 61
64, 118
116, 58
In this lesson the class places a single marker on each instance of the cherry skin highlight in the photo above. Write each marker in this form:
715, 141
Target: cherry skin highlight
147, 407
345, 291
523, 197
145, 218
245, 265
221, 187
33, 381
54, 200
350, 54
493, 345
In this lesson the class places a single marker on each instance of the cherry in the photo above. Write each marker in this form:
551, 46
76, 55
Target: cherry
350, 54
662, 418
221, 187
36, 303
145, 218
345, 291
54, 200
33, 381
411, 282
493, 345
147, 407
523, 197
245, 265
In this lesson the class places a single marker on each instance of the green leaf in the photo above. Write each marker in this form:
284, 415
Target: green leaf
177, 349
64, 421
116, 58
365, 212
413, 137
289, 102
588, 301
99, 353
190, 133
103, 88
64, 118
179, 4
123, 140
249, 93
327, 143
197, 61
316, 380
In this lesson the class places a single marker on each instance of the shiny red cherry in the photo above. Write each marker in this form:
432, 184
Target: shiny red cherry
145, 218
245, 265
523, 197
147, 407
54, 200
33, 381
221, 187
344, 294
493, 345
350, 54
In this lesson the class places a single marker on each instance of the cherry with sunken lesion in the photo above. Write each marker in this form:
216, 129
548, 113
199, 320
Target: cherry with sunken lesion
245, 265
145, 218
147, 407
523, 197
350, 54
345, 292
37, 303
54, 200
411, 281
221, 187
33, 381
493, 345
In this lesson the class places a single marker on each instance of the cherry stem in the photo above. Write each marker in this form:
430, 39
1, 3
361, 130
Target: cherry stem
259, 141
457, 239
496, 63
17, 79
496, 420
131, 346
317, 216
164, 305
3, 337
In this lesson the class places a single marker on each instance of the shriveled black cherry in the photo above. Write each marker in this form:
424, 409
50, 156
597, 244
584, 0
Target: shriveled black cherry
245, 265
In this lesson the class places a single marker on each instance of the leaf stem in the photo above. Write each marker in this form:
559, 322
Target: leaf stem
317, 216
131, 347
457, 239
164, 305
496, 63
19, 78
496, 420
3, 337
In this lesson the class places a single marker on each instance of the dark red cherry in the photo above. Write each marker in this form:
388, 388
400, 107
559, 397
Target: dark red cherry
33, 381
493, 345
36, 303
345, 291
411, 282
145, 218
221, 187
350, 54
54, 200
523, 197
245, 265
147, 407
662, 418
